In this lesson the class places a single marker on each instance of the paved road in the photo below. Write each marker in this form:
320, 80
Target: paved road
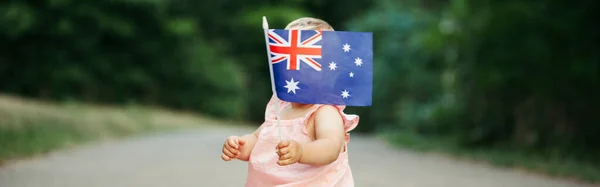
192, 158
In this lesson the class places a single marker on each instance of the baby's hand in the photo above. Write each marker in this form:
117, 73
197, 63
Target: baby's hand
231, 148
289, 152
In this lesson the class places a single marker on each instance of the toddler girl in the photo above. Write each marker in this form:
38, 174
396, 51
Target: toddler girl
313, 151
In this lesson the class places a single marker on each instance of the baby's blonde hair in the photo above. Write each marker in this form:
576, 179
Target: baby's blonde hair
308, 23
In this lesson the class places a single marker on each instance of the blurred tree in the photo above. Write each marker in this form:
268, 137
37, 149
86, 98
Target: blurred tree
530, 73
513, 74
114, 51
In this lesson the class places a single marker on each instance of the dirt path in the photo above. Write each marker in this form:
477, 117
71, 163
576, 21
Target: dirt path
192, 158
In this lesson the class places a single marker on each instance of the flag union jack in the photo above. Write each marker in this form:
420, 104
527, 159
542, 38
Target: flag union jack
346, 79
295, 47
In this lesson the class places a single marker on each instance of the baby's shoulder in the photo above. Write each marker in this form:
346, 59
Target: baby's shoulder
327, 111
326, 115
334, 115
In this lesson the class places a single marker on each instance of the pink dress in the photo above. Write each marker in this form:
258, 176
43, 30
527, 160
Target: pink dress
263, 170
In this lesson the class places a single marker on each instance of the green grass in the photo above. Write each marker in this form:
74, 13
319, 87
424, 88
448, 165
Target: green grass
37, 137
29, 128
578, 170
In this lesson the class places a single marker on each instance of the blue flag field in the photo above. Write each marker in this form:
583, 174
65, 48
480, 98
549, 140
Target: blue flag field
322, 67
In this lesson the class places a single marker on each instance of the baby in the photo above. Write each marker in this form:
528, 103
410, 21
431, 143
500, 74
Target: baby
313, 151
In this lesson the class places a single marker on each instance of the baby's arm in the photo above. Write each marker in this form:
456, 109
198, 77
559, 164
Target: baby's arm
250, 142
330, 134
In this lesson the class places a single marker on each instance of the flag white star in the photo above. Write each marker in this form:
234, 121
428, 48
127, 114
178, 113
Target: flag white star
345, 94
351, 74
332, 66
358, 61
291, 86
346, 47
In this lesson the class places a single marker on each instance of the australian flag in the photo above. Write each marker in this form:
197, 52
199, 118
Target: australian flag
322, 67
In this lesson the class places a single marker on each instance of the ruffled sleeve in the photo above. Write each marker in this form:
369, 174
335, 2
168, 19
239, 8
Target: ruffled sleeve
350, 120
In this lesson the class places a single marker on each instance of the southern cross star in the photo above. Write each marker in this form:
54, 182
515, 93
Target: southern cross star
358, 61
345, 94
346, 47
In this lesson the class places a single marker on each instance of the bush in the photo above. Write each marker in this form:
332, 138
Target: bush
117, 52
491, 74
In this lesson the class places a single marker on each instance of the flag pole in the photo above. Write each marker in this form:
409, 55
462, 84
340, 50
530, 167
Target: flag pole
265, 26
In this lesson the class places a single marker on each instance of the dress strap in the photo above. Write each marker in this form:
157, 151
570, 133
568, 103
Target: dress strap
271, 109
310, 112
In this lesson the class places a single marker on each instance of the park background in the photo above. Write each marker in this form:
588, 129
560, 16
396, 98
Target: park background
512, 83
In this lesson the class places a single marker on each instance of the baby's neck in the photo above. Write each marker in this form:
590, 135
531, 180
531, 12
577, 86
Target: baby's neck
301, 105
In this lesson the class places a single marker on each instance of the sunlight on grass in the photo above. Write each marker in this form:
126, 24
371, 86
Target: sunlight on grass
29, 127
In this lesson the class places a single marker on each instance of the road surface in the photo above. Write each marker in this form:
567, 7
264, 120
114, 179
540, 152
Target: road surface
192, 158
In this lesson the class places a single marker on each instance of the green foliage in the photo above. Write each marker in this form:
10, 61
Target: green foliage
527, 84
115, 51
515, 76
35, 138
